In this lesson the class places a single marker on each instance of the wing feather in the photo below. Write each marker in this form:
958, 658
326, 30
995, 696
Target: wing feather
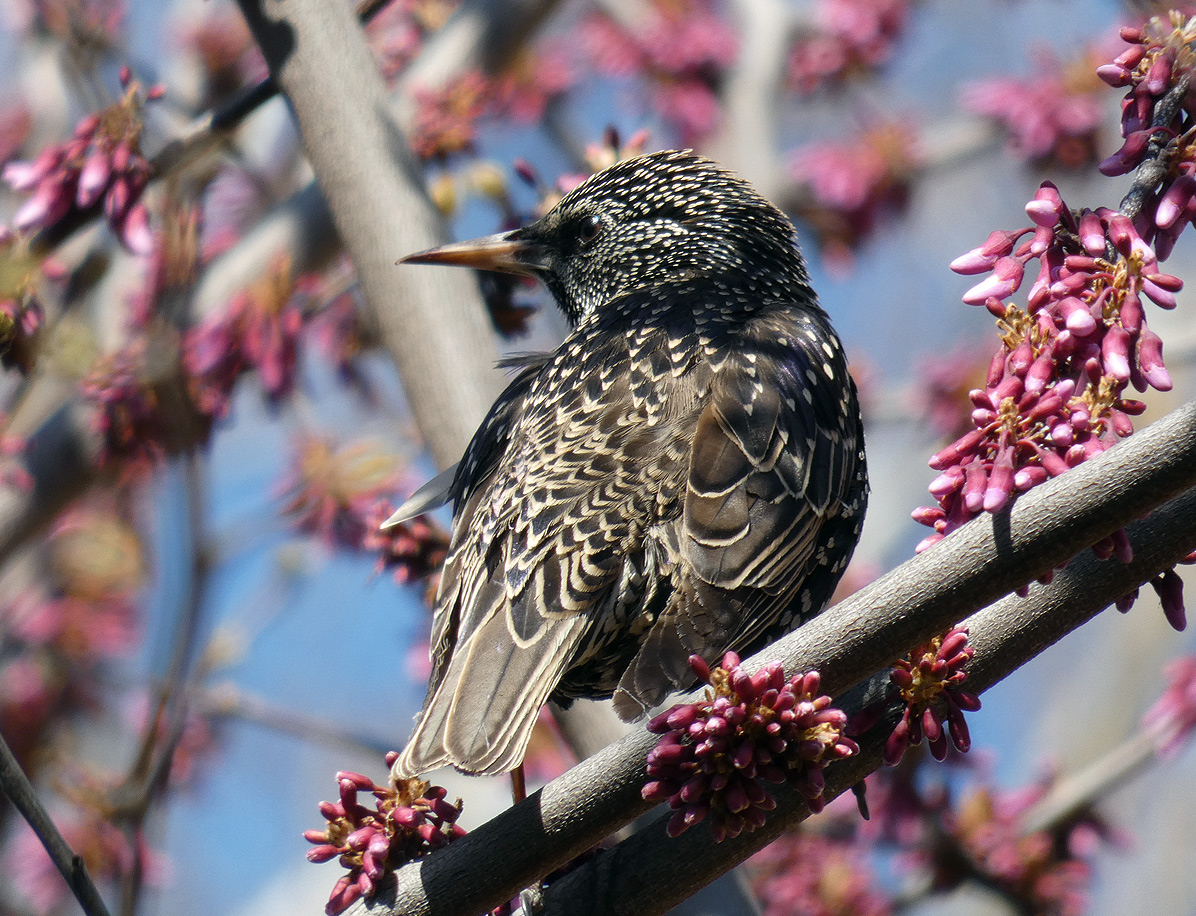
773, 473
635, 499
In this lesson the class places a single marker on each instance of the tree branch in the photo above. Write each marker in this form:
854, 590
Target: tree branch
16, 787
1005, 636
428, 318
966, 571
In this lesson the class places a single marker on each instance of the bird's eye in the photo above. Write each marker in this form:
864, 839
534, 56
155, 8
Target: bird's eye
589, 228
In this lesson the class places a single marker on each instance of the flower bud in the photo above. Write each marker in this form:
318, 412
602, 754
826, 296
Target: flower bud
1115, 353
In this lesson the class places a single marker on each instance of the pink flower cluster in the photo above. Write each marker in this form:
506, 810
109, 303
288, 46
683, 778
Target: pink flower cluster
681, 49
1041, 872
852, 184
929, 682
1053, 114
446, 118
259, 330
410, 551
331, 490
220, 42
715, 755
1172, 719
409, 819
983, 840
102, 161
128, 413
395, 36
1158, 62
813, 874
340, 494
525, 88
80, 630
1054, 392
79, 614
853, 37
338, 334
108, 852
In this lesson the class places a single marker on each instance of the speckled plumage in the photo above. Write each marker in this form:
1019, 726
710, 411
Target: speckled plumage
685, 474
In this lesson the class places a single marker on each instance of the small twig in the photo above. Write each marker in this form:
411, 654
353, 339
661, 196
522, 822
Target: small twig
17, 788
148, 776
1071, 795
1152, 171
205, 134
232, 703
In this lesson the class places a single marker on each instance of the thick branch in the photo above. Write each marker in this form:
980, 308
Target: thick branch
746, 139
976, 565
1005, 636
317, 53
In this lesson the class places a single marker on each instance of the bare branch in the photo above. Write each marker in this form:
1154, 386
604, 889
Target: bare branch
1004, 636
431, 319
746, 139
17, 789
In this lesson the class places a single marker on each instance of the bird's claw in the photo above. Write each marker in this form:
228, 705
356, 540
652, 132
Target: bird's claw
531, 899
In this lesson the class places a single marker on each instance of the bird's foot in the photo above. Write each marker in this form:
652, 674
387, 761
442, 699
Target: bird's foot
531, 899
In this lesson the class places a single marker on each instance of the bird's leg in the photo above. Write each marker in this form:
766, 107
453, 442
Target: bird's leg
531, 899
518, 785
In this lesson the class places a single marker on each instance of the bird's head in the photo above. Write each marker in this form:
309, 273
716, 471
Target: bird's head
662, 218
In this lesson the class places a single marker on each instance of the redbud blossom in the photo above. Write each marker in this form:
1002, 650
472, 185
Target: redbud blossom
1055, 392
1172, 719
929, 682
101, 161
1053, 114
715, 755
409, 819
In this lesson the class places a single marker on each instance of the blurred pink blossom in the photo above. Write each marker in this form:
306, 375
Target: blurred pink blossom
852, 37
1052, 114
101, 162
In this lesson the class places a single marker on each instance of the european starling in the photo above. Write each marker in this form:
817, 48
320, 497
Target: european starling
684, 475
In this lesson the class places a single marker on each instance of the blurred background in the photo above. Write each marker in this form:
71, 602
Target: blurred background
201, 626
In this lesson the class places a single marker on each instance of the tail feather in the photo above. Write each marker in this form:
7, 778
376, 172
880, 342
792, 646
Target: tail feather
481, 715
660, 666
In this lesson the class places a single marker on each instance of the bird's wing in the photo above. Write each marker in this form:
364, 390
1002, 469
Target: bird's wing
432, 495
440, 489
474, 472
547, 515
776, 461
